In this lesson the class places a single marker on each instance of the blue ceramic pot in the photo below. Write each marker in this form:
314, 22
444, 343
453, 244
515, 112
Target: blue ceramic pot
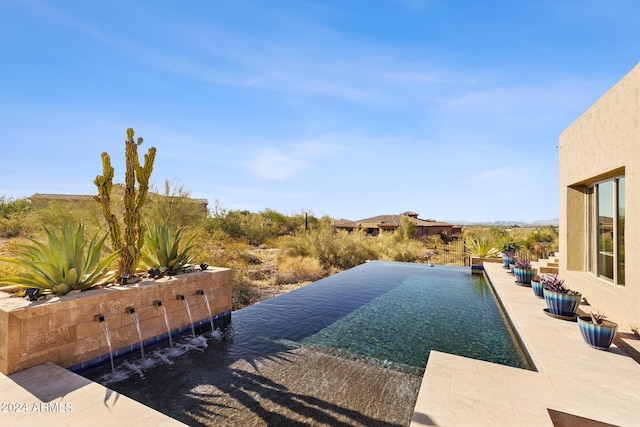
523, 275
537, 287
562, 304
511, 268
597, 336
505, 261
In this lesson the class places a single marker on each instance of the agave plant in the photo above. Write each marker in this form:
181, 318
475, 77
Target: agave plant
163, 249
65, 263
482, 247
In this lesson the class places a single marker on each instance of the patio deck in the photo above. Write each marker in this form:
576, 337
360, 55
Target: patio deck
575, 384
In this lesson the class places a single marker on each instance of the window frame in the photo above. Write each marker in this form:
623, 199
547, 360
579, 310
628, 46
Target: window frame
593, 230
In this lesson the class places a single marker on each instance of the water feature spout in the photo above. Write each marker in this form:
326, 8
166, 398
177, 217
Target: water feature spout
136, 321
158, 304
206, 301
107, 336
186, 306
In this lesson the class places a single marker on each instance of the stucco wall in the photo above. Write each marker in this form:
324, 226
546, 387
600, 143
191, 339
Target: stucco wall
603, 142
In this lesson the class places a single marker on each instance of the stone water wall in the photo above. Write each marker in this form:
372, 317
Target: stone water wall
63, 330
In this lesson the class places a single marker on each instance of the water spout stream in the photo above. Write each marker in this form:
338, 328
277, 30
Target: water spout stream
206, 301
186, 306
136, 321
166, 319
100, 319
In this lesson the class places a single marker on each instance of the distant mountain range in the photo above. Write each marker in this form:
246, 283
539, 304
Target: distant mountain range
539, 223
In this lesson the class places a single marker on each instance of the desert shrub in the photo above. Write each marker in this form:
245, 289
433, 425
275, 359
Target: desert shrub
339, 249
175, 207
400, 250
59, 212
299, 269
242, 293
542, 241
16, 218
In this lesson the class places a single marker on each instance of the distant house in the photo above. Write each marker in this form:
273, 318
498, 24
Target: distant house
42, 200
389, 223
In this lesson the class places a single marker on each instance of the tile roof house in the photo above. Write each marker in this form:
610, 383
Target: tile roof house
378, 224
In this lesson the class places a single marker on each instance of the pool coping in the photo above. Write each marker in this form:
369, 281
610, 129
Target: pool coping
457, 391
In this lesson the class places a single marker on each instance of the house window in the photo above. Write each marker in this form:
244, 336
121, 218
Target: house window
606, 219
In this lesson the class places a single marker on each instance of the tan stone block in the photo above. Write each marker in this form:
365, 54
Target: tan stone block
147, 312
88, 329
44, 339
115, 321
178, 319
116, 302
124, 336
81, 347
147, 296
153, 327
35, 359
85, 312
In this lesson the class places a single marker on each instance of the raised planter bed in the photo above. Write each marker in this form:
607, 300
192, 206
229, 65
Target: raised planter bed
63, 330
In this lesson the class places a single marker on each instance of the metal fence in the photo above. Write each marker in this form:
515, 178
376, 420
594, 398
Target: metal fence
453, 253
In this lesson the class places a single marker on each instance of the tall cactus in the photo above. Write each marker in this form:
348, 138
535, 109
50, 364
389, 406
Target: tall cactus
133, 201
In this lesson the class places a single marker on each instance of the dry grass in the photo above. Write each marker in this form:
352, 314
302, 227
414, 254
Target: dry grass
299, 269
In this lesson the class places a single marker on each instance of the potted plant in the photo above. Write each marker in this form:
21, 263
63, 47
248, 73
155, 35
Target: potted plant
523, 271
596, 331
536, 285
561, 301
506, 258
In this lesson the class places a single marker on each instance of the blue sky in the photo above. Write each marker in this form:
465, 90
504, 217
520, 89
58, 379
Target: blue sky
346, 108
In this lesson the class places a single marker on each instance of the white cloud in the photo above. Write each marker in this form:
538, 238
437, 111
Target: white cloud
274, 164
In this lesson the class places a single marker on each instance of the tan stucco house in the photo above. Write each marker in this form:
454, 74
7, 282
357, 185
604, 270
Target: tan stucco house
599, 185
382, 223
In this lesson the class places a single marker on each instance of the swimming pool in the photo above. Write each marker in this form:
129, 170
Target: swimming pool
385, 315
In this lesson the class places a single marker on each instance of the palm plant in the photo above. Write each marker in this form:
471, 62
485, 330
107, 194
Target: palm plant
65, 263
163, 249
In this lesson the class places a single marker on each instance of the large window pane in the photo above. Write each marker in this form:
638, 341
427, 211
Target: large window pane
620, 231
605, 229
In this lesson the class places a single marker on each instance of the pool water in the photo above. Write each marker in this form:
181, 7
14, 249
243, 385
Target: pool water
429, 308
388, 313
275, 362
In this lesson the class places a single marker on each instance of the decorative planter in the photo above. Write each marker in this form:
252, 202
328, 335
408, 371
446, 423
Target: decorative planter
596, 335
562, 304
505, 261
523, 275
70, 330
511, 268
537, 287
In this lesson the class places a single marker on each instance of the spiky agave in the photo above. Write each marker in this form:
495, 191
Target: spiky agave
66, 262
164, 250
